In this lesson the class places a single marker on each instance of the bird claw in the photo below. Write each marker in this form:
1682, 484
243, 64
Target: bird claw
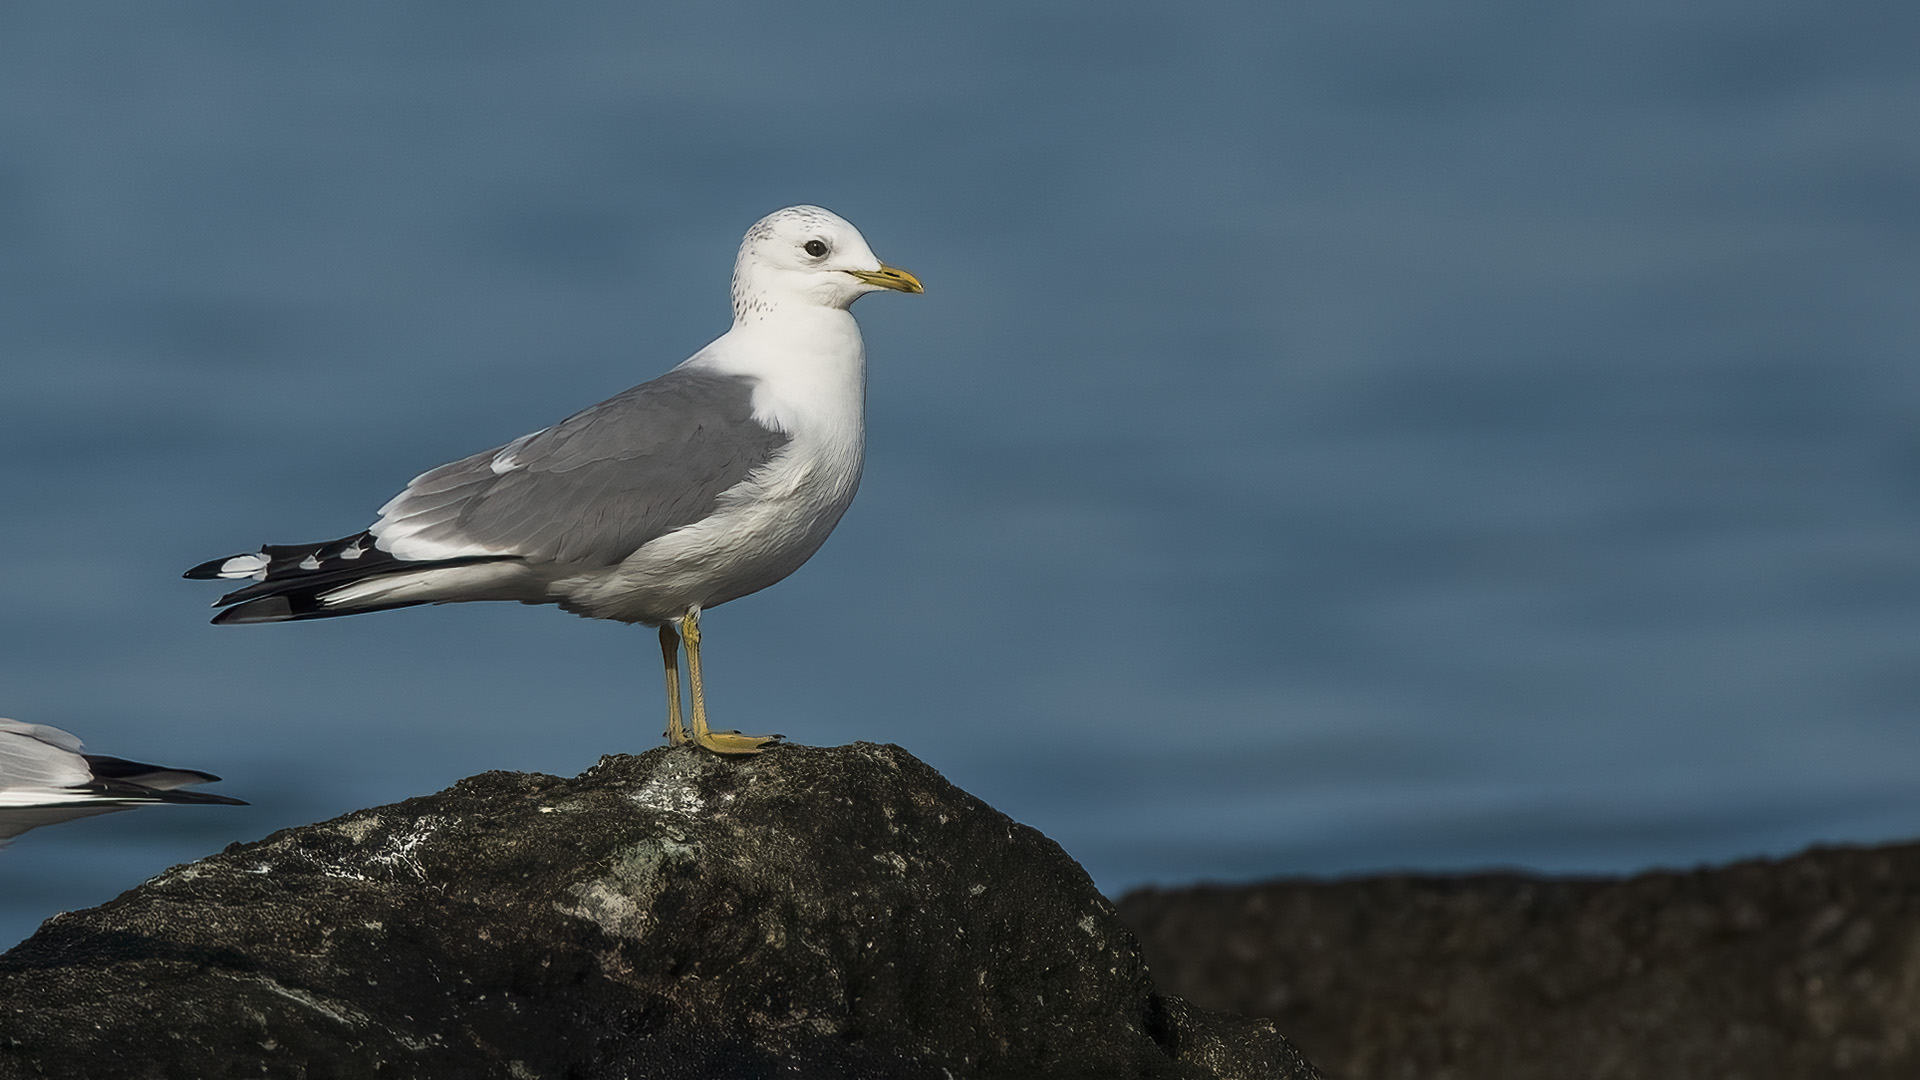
733, 742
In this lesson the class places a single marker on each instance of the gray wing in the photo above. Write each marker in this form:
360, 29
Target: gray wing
40, 768
36, 757
593, 488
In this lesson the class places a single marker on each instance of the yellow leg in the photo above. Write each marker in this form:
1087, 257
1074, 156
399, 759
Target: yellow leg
670, 650
720, 742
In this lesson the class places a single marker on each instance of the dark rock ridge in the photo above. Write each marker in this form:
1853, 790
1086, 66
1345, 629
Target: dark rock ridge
1764, 970
808, 912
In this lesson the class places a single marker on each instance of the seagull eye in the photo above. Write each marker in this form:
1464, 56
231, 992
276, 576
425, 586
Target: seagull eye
815, 248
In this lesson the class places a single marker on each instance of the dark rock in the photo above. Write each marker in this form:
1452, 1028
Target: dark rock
809, 912
1766, 970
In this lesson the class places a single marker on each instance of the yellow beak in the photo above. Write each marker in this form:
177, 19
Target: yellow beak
890, 277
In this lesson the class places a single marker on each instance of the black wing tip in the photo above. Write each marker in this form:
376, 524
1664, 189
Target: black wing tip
119, 768
207, 571
266, 609
297, 607
205, 798
136, 783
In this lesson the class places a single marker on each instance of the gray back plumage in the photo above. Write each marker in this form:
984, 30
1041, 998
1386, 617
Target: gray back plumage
593, 488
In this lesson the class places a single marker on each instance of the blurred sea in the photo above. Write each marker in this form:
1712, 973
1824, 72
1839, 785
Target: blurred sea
1336, 436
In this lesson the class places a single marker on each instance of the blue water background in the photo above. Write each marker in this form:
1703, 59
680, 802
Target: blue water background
1336, 436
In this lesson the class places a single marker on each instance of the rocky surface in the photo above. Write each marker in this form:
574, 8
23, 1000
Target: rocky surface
809, 912
1803, 967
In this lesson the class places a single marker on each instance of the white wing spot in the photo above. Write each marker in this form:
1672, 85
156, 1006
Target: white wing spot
311, 562
243, 566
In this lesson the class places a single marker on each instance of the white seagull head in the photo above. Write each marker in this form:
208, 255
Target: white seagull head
810, 256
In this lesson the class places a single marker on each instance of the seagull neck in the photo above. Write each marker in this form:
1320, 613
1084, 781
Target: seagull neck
820, 346
809, 368
798, 325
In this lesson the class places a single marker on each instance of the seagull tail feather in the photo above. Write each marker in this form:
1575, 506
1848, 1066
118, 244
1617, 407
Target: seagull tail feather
291, 582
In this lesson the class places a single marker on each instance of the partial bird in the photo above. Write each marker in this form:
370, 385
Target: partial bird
46, 779
713, 481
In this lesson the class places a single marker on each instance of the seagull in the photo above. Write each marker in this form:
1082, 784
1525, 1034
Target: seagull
45, 779
713, 481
